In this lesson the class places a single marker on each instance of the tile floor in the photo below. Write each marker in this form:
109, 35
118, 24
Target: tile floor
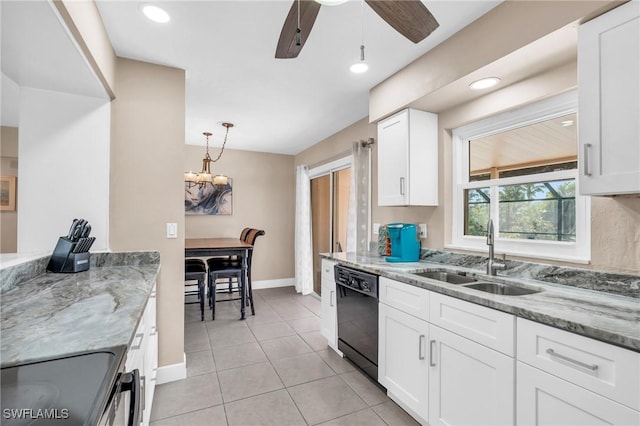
273, 369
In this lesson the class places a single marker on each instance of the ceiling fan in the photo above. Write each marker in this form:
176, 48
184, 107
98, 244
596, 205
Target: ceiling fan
410, 18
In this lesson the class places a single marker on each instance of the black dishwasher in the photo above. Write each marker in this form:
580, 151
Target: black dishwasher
357, 306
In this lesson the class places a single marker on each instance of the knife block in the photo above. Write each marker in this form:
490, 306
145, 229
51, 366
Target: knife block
64, 260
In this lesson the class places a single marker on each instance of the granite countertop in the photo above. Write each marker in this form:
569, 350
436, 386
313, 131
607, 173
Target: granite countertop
57, 314
604, 316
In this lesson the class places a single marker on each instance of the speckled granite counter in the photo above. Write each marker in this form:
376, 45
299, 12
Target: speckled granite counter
55, 314
600, 315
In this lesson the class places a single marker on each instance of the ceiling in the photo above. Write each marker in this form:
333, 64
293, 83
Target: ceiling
277, 105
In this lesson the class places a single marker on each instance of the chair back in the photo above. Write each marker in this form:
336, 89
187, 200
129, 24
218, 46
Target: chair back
244, 233
252, 235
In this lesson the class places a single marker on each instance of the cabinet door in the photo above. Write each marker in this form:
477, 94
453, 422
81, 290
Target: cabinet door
328, 310
469, 384
609, 102
393, 160
544, 399
402, 359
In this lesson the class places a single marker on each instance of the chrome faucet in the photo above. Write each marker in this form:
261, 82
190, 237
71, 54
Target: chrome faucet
492, 265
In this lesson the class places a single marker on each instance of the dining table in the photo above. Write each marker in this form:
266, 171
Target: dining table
212, 247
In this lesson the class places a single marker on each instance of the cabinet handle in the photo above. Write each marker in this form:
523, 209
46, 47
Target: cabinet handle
420, 344
401, 186
587, 160
136, 347
332, 296
591, 367
432, 357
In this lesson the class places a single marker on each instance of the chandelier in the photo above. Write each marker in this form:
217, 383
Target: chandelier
205, 176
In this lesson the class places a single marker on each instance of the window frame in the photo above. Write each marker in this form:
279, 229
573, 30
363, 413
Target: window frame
578, 251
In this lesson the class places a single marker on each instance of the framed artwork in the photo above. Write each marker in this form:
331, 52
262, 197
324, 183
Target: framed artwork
208, 199
7, 193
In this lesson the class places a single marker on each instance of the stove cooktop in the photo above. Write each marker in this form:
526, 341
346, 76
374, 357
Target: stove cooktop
70, 390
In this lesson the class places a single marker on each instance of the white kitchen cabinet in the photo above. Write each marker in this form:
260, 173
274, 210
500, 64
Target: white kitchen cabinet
546, 400
403, 365
143, 355
408, 159
469, 384
328, 312
609, 102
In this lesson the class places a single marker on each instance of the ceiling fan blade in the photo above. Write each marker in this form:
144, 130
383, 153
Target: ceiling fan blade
287, 47
410, 18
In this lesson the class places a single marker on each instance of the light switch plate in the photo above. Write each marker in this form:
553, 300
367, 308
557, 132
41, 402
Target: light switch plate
172, 230
376, 228
423, 230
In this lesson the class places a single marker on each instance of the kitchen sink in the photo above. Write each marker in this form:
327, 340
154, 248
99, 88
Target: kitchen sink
503, 289
449, 277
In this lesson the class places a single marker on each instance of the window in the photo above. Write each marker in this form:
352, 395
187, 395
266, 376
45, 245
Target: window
520, 168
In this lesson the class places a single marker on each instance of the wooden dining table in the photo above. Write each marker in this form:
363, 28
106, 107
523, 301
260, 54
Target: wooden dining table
211, 247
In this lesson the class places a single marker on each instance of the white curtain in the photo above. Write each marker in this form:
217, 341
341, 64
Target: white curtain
358, 210
303, 250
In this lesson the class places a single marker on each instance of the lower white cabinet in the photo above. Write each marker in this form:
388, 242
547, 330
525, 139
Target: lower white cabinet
544, 399
328, 312
403, 361
469, 384
143, 355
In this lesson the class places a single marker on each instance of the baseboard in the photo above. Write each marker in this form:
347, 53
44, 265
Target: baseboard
282, 282
173, 372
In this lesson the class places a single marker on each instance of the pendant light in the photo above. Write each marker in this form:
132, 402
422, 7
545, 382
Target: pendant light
360, 66
205, 176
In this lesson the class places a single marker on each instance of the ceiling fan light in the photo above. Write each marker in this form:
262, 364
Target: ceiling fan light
156, 14
220, 180
330, 2
359, 67
484, 83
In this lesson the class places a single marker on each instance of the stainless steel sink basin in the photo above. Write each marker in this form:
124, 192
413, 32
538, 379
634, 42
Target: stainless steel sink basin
449, 277
503, 289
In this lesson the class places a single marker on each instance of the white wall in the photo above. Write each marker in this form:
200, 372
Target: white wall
63, 147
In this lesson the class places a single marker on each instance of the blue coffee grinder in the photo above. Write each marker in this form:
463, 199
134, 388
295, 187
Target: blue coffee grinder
405, 244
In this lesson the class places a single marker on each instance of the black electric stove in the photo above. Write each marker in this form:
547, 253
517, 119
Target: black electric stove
71, 390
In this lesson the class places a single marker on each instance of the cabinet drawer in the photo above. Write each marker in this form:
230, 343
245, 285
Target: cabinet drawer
602, 368
405, 297
486, 326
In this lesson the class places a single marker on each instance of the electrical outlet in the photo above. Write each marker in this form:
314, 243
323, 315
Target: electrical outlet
172, 230
423, 230
376, 228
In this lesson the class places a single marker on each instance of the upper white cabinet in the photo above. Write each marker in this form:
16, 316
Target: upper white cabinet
408, 159
328, 312
609, 102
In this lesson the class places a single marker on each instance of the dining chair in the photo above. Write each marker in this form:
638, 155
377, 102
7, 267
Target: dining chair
195, 270
232, 269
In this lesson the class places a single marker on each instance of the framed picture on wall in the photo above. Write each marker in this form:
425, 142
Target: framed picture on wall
208, 199
7, 193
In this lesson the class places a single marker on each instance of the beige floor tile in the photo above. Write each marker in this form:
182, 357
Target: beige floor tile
243, 382
369, 392
335, 361
273, 330
183, 396
292, 310
200, 363
284, 347
325, 399
273, 408
230, 336
214, 416
228, 357
392, 414
195, 337
360, 418
302, 369
316, 340
264, 315
305, 325
192, 313
312, 303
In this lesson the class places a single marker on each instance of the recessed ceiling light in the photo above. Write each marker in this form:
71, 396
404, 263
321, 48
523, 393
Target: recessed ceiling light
485, 83
331, 2
155, 13
359, 67
567, 123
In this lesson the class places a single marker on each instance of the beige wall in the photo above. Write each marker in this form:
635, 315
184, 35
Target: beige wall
9, 167
146, 183
263, 197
